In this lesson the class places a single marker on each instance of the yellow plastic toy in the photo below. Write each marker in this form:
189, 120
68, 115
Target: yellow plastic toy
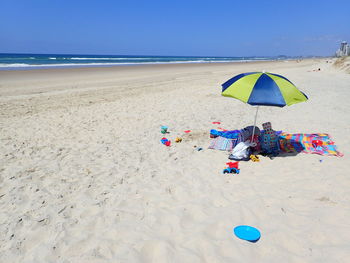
254, 158
178, 139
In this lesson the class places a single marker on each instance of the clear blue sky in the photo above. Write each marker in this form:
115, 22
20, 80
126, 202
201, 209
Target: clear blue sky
174, 27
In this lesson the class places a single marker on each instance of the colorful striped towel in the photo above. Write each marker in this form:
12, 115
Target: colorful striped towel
291, 143
301, 142
222, 144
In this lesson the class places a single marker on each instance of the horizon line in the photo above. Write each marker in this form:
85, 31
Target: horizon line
250, 56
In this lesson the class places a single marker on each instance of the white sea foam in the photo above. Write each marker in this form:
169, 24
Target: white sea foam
77, 58
20, 65
67, 65
14, 65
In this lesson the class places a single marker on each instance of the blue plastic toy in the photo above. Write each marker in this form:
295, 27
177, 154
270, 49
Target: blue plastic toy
248, 233
231, 170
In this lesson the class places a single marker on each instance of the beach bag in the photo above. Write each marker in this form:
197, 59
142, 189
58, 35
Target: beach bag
241, 152
269, 140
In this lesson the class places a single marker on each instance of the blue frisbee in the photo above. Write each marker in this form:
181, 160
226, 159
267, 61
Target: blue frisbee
248, 233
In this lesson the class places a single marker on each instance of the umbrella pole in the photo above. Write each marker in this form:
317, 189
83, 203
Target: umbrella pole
256, 115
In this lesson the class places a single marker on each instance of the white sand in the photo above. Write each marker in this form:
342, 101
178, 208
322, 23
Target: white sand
84, 177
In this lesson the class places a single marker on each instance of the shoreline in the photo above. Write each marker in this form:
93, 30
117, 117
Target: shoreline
107, 65
138, 67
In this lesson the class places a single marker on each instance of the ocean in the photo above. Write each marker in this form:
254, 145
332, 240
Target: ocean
32, 61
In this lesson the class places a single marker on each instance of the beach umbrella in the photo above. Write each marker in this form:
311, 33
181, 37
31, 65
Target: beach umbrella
263, 89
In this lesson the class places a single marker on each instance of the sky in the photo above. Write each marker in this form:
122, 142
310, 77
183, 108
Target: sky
174, 27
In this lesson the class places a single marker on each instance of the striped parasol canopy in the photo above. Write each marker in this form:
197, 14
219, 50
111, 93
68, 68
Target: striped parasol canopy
260, 88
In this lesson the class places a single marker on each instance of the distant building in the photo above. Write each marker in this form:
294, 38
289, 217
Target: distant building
344, 50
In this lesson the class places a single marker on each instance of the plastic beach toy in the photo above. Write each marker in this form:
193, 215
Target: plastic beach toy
254, 158
248, 233
232, 168
165, 141
233, 164
164, 129
178, 139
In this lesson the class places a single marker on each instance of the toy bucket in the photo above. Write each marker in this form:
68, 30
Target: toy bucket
164, 129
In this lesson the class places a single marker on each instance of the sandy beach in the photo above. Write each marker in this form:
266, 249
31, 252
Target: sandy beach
84, 177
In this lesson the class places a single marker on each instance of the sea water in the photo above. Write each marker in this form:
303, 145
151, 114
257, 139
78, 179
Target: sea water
28, 61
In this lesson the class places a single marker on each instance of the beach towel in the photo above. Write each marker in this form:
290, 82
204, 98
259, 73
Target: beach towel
227, 140
305, 143
222, 144
226, 134
291, 143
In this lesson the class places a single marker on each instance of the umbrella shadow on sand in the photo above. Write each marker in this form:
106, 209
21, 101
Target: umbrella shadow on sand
287, 154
